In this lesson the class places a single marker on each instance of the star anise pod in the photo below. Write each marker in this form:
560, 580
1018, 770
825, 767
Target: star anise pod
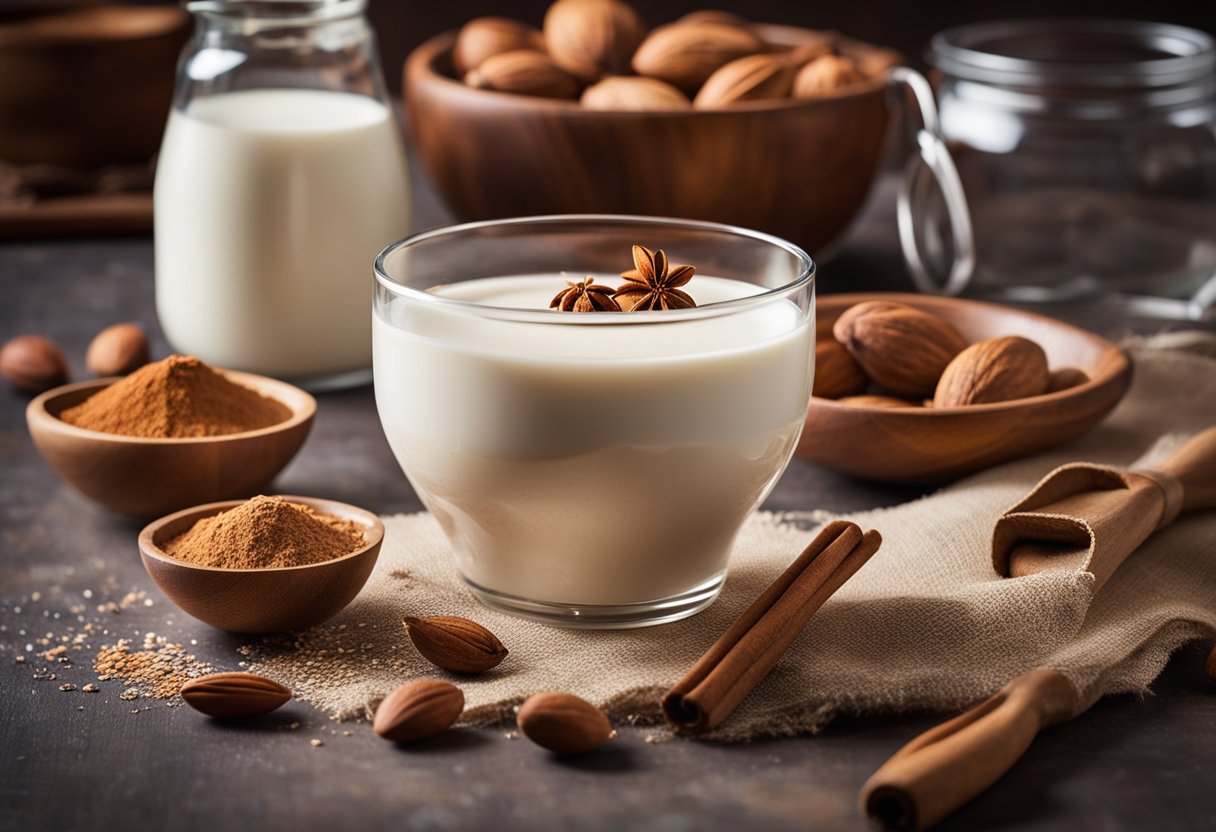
585, 296
653, 283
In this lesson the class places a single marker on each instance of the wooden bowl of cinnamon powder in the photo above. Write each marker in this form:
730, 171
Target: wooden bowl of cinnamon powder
172, 434
264, 565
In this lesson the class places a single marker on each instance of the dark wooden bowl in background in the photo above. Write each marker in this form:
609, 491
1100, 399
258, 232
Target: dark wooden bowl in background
87, 87
797, 169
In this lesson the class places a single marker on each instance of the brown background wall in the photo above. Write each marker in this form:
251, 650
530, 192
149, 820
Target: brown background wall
907, 26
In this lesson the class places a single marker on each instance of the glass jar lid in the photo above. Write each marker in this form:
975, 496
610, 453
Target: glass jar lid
276, 13
1077, 54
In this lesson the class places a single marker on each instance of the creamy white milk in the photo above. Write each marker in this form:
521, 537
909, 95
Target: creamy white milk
270, 207
589, 464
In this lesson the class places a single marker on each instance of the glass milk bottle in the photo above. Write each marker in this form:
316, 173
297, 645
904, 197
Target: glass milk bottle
281, 176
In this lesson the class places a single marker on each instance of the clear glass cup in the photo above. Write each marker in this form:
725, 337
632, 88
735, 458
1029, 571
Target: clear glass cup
591, 469
280, 176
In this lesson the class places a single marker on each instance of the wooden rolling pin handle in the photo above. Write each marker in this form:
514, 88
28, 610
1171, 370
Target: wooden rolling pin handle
948, 765
1194, 466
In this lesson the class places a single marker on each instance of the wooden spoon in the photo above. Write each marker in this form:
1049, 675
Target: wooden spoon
948, 765
1093, 517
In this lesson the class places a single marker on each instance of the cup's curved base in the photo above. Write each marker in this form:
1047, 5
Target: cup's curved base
605, 616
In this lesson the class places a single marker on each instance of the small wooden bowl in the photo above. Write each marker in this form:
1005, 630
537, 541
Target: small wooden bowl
800, 169
86, 87
261, 600
141, 477
933, 445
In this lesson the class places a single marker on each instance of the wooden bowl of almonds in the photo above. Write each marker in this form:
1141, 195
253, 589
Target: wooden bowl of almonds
710, 117
917, 389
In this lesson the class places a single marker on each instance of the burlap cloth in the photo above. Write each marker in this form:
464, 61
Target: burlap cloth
926, 624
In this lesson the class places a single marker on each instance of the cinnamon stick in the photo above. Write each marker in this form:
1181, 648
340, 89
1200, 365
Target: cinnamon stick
745, 653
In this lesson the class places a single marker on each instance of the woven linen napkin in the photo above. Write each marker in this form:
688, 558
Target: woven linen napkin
926, 624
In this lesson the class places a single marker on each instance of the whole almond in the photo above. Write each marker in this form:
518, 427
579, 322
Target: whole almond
837, 373
753, 78
874, 400
814, 45
592, 38
418, 710
686, 54
713, 16
455, 643
826, 74
995, 370
903, 350
873, 61
33, 363
1066, 377
117, 350
234, 695
523, 72
628, 92
563, 723
485, 37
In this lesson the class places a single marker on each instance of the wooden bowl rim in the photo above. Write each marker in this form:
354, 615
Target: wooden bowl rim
421, 64
38, 412
1119, 370
148, 23
373, 532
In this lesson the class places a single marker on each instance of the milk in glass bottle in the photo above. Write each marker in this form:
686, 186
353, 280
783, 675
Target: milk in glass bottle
281, 176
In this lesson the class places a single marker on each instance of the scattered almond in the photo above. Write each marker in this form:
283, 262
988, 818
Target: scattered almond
455, 643
592, 38
523, 72
418, 710
563, 723
837, 373
117, 350
995, 370
903, 350
751, 78
33, 363
826, 74
486, 37
627, 92
234, 695
686, 54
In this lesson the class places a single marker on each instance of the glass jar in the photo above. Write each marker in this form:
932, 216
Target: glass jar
281, 176
1087, 152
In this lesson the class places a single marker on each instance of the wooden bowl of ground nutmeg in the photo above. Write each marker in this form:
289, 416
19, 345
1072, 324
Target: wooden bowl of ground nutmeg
265, 565
172, 434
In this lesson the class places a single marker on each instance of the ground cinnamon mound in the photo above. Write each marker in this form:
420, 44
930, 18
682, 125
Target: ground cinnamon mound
265, 533
176, 398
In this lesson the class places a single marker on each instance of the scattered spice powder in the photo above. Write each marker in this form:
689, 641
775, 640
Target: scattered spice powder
266, 533
178, 397
158, 671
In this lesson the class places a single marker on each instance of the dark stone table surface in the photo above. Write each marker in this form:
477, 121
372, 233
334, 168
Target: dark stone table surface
76, 760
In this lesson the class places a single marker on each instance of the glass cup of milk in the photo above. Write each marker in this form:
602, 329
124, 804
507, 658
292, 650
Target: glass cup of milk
280, 176
591, 469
